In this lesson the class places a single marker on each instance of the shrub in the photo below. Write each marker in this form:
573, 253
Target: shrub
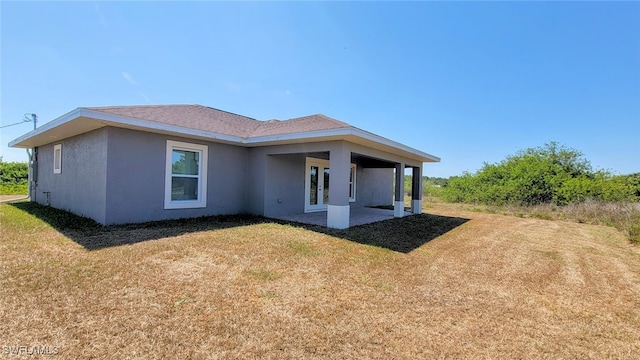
13, 173
13, 178
548, 174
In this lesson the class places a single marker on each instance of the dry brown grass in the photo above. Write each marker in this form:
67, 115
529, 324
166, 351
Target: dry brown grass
624, 216
495, 287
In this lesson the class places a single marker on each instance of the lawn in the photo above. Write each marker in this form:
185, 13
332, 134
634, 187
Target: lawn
449, 284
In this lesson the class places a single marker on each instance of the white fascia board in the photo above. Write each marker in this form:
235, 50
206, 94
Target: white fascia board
338, 133
384, 141
48, 126
121, 121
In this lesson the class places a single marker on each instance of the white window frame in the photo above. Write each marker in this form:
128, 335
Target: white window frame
57, 159
352, 183
201, 201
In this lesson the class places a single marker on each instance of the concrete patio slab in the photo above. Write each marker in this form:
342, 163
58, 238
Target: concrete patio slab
357, 216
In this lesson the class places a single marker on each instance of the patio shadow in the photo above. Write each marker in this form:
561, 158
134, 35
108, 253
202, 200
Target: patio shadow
398, 234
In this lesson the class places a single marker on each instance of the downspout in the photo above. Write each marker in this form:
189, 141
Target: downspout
29, 174
33, 184
31, 179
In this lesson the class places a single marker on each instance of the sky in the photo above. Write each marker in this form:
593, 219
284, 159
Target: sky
469, 82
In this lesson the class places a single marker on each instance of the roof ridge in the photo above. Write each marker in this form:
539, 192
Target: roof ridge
329, 118
132, 106
334, 119
98, 108
228, 112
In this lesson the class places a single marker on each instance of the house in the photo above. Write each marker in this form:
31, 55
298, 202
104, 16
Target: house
127, 164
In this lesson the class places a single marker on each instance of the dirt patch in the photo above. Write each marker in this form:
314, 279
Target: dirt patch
8, 198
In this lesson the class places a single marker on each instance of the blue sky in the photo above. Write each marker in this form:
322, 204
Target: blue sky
470, 82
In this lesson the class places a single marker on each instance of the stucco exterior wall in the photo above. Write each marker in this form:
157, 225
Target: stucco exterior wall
136, 178
277, 173
256, 182
80, 187
374, 186
284, 184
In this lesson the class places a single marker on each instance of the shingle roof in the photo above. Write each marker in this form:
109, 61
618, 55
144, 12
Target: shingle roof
189, 116
222, 122
302, 124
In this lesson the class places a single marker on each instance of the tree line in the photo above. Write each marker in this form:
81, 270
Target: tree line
551, 173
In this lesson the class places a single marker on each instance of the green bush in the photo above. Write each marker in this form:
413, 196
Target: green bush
13, 178
13, 173
548, 174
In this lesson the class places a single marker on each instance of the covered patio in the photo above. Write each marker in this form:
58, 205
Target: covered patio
357, 216
336, 183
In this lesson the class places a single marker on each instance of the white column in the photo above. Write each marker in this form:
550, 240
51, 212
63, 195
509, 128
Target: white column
416, 191
398, 205
338, 210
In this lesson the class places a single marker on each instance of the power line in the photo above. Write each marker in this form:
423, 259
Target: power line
26, 119
22, 122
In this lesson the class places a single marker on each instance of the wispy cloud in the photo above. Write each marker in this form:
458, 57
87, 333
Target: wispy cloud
101, 17
129, 78
242, 87
144, 96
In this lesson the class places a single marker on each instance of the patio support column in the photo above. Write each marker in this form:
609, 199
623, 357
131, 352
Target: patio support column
416, 190
398, 205
338, 210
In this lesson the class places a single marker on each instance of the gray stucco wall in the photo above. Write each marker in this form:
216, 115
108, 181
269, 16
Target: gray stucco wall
136, 178
284, 184
374, 186
256, 182
81, 185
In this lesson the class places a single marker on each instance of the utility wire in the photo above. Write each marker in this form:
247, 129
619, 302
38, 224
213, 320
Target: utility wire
25, 120
22, 122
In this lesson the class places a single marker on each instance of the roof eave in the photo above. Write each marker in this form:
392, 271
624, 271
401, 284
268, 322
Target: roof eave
18, 142
348, 133
35, 138
74, 123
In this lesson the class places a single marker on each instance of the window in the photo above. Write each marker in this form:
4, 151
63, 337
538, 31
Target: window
185, 176
352, 183
57, 159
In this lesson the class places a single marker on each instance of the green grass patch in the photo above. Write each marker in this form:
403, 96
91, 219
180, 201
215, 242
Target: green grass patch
551, 255
634, 234
303, 248
57, 218
263, 274
14, 189
269, 294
